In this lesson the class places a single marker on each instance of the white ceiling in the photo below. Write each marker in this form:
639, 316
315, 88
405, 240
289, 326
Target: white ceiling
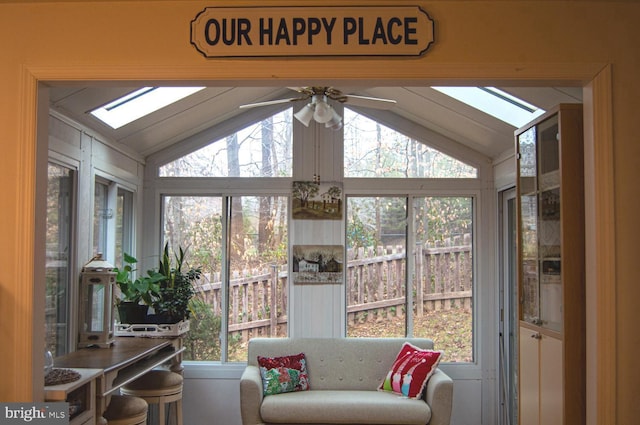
422, 105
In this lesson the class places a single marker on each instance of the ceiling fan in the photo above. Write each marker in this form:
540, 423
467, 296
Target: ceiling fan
320, 110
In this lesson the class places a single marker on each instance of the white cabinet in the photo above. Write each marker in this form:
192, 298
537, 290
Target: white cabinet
541, 385
529, 378
551, 288
551, 385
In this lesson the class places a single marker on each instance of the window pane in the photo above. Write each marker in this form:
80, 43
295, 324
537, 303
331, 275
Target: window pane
376, 267
373, 150
257, 274
124, 225
442, 284
258, 271
441, 277
140, 103
195, 224
58, 245
100, 216
496, 103
263, 149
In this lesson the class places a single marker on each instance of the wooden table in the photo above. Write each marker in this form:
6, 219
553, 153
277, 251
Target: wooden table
128, 359
80, 394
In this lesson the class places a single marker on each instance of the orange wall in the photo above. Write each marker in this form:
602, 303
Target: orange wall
546, 41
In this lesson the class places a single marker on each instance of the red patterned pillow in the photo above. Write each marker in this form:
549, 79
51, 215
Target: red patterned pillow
410, 371
283, 374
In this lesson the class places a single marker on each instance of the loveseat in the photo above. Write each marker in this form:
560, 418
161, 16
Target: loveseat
344, 376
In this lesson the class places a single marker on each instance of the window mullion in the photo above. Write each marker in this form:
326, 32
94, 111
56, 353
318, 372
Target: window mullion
410, 265
226, 279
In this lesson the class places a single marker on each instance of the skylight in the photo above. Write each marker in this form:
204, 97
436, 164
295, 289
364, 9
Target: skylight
140, 103
495, 102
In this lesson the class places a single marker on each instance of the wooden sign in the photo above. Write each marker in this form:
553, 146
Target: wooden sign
312, 31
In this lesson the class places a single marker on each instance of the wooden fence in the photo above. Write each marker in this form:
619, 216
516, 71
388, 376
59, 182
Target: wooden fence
375, 279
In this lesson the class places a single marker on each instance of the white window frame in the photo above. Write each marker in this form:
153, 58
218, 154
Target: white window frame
114, 187
479, 188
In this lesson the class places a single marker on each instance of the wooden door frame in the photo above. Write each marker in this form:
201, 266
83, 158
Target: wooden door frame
596, 80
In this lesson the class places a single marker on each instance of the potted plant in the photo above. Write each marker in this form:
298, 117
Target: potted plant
136, 295
176, 289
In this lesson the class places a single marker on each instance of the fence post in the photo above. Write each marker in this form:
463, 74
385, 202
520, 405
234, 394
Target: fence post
378, 274
418, 280
360, 277
273, 302
430, 285
235, 294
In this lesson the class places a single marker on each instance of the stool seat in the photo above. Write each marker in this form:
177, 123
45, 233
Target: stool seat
155, 383
126, 410
158, 387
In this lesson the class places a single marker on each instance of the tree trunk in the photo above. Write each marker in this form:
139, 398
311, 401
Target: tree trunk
265, 227
237, 219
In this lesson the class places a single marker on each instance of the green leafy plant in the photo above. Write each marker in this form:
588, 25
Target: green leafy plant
202, 342
144, 289
177, 287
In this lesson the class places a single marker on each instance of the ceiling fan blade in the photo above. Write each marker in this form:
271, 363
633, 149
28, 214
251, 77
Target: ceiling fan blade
369, 102
270, 102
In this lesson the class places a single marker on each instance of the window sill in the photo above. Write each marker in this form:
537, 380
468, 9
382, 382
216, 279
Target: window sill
212, 370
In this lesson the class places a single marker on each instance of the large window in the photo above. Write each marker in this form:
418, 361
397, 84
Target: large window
260, 150
423, 291
239, 238
59, 254
240, 242
409, 252
374, 150
409, 258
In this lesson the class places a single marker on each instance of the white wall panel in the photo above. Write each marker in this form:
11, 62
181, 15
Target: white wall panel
211, 402
467, 402
504, 171
316, 310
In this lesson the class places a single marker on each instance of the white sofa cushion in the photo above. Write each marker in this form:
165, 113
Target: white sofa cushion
344, 407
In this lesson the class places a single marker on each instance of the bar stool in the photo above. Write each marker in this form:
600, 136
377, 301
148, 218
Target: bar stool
126, 410
158, 387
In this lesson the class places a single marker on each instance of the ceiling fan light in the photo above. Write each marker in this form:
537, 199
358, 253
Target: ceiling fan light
305, 114
323, 112
335, 123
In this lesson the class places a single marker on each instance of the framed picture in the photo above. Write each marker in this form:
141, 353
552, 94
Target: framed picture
318, 263
317, 201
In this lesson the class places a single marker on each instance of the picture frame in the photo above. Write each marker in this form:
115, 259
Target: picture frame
317, 200
318, 264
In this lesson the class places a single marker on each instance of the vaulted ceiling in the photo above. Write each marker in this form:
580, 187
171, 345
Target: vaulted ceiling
422, 105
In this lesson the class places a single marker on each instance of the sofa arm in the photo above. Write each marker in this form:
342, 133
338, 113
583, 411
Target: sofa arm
439, 397
251, 396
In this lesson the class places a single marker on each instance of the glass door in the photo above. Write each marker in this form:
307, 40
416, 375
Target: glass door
508, 309
528, 169
549, 232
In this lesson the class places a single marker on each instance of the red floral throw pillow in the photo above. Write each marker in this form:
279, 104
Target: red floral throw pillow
410, 371
283, 374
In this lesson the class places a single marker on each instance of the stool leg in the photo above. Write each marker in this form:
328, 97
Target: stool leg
161, 412
179, 411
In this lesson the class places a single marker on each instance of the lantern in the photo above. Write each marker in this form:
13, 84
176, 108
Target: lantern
96, 304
